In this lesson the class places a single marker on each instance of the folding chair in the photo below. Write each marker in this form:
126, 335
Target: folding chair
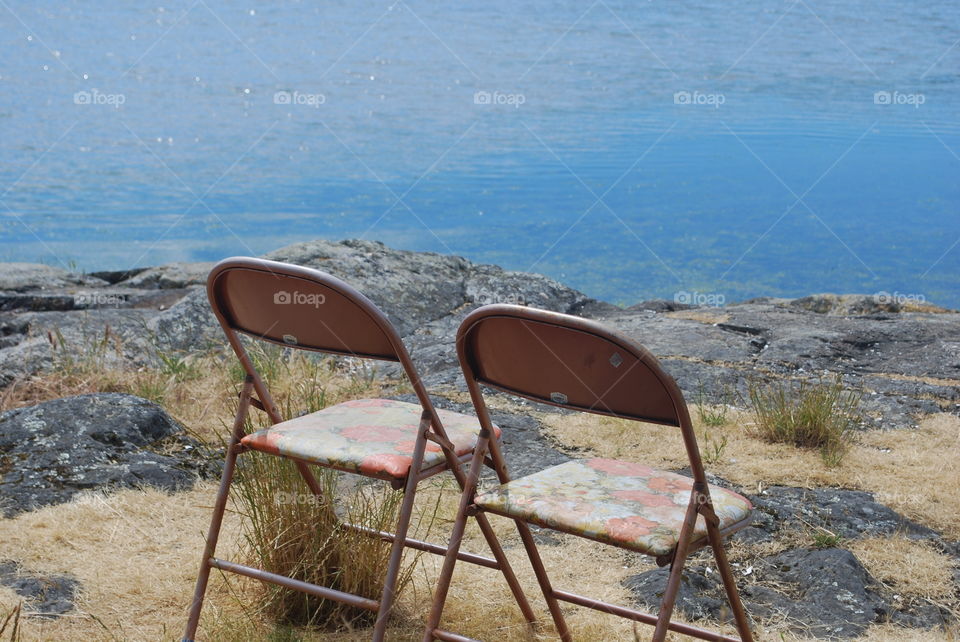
577, 364
402, 443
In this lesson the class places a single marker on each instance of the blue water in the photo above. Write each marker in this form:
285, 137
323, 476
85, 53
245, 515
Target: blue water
631, 149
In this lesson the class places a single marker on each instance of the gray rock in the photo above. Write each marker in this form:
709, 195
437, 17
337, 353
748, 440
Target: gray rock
85, 298
116, 276
23, 277
169, 277
415, 288
54, 450
33, 342
659, 305
45, 595
728, 347
825, 593
189, 325
847, 513
906, 358
698, 596
831, 595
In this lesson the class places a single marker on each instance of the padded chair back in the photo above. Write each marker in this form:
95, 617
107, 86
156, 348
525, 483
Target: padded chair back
568, 362
299, 307
306, 309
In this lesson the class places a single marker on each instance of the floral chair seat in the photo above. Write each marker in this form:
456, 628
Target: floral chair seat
367, 436
617, 502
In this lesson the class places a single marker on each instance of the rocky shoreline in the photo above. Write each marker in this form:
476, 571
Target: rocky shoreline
906, 361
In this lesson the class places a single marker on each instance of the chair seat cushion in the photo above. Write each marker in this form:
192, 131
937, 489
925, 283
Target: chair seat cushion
368, 436
612, 501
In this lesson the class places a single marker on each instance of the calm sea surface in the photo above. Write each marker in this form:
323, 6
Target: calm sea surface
708, 150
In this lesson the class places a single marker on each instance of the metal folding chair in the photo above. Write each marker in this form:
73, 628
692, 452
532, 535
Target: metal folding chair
578, 364
402, 443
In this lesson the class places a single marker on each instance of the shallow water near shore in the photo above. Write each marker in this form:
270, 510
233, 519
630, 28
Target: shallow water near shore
632, 150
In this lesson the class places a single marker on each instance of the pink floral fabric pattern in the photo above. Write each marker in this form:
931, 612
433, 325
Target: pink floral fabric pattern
370, 436
613, 501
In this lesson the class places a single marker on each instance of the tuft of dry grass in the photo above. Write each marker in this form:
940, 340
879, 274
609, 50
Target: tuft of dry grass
820, 414
289, 531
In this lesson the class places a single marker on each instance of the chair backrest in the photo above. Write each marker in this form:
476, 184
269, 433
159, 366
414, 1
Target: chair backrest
306, 309
301, 308
567, 361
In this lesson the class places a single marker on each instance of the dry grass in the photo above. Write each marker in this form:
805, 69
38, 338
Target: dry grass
910, 568
136, 553
806, 414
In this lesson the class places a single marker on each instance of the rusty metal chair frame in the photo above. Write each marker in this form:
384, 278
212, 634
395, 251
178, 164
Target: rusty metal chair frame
348, 324
550, 358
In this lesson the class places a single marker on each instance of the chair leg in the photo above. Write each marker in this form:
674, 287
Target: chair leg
676, 571
211, 544
506, 569
669, 597
544, 581
399, 542
220, 505
456, 539
729, 584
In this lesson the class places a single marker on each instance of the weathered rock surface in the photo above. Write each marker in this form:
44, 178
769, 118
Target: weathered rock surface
826, 593
846, 513
414, 289
45, 595
25, 277
54, 450
174, 276
906, 357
